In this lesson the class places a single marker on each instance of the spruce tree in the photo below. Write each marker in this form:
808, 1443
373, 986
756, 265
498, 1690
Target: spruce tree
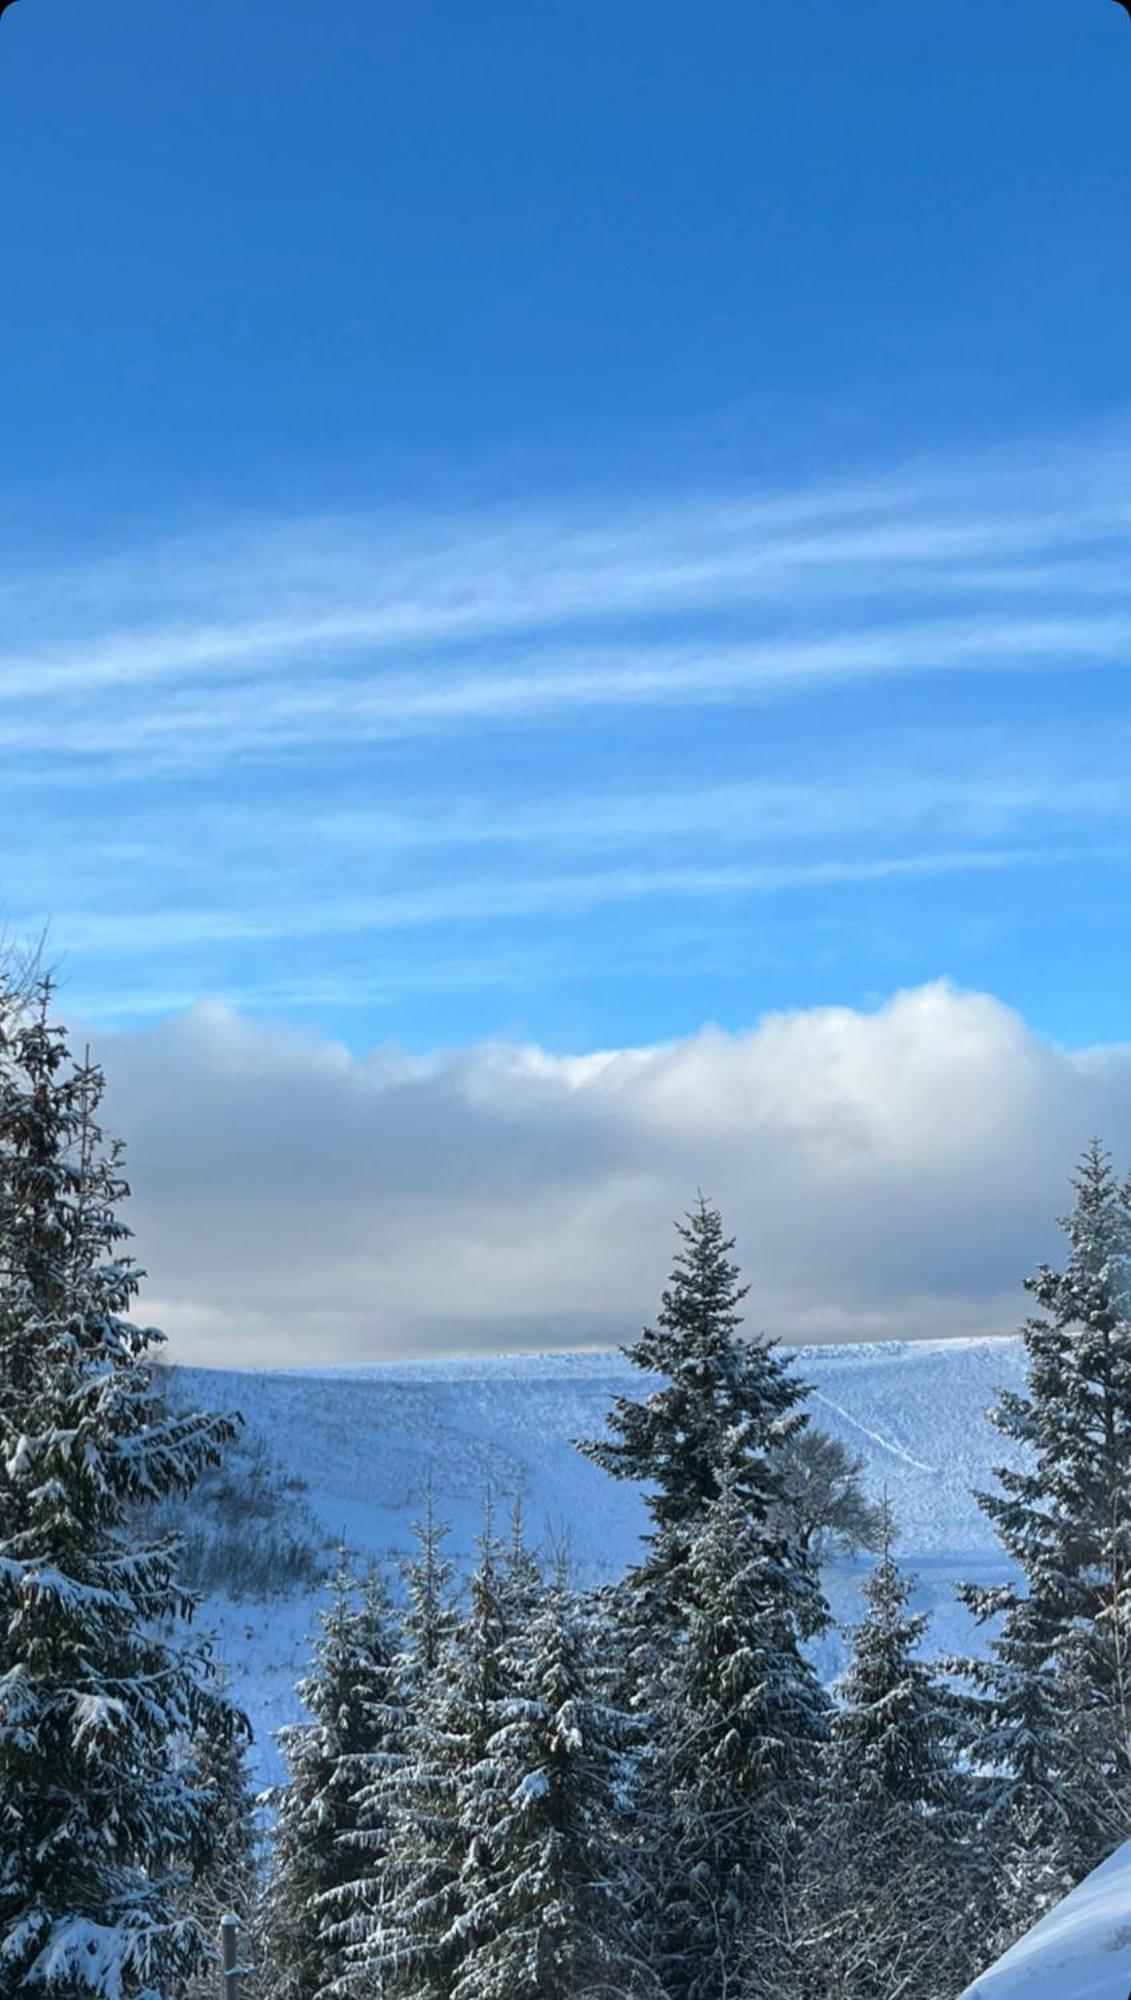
886, 1894
100, 1823
353, 1915
741, 1719
550, 1923
521, 1578
321, 1863
439, 1862
895, 1728
722, 1400
1063, 1513
430, 1616
229, 1881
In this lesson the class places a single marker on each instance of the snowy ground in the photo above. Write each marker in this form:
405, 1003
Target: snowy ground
367, 1439
1081, 1950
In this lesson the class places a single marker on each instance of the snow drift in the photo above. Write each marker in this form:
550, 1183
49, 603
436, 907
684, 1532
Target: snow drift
1080, 1951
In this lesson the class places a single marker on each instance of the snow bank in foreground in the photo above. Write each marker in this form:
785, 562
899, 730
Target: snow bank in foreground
1080, 1951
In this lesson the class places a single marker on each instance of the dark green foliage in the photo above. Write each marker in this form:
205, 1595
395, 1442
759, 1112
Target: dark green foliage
323, 1843
440, 1863
100, 1825
430, 1616
887, 1894
721, 1401
741, 1718
1055, 1694
894, 1731
229, 1881
549, 1923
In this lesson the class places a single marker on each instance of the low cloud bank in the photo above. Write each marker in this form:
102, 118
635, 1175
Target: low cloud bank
887, 1174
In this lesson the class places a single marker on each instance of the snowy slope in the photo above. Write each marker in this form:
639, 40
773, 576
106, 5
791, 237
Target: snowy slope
1080, 1951
366, 1440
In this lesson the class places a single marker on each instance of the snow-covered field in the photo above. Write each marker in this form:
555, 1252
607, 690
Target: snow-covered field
1080, 1951
366, 1440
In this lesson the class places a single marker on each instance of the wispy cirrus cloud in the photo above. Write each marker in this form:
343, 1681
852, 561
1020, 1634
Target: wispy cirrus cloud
542, 894
323, 711
505, 722
263, 597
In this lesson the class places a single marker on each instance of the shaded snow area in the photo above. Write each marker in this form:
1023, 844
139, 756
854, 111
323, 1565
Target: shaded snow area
1080, 1951
365, 1441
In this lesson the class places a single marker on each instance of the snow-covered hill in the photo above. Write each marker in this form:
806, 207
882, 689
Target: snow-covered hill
1080, 1951
366, 1440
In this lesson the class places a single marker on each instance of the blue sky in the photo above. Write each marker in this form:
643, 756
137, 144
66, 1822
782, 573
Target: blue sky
566, 523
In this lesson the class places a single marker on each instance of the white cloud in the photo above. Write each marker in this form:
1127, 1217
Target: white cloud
893, 1172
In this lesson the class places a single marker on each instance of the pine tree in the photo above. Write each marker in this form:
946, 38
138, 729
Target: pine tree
100, 1825
322, 1864
430, 1616
741, 1720
723, 1400
521, 1574
1094, 1700
629, 1658
551, 1924
887, 1893
1063, 1513
439, 1863
895, 1729
352, 1915
229, 1882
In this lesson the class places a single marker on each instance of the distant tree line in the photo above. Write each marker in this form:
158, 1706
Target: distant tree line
506, 1786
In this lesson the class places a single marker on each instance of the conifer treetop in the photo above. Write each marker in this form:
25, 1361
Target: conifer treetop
722, 1399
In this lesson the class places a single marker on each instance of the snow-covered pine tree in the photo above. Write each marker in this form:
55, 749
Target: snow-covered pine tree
229, 1881
741, 1721
886, 1895
628, 1656
430, 1615
353, 1914
321, 1867
895, 1727
439, 1861
521, 1579
1063, 1513
721, 1400
99, 1822
550, 1921
903, 1801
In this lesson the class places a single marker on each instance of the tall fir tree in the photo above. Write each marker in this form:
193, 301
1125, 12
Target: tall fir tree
895, 1729
741, 1720
714, 1617
550, 1922
1062, 1511
439, 1862
353, 1914
521, 1579
322, 1861
430, 1617
228, 1884
887, 1893
100, 1823
722, 1400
